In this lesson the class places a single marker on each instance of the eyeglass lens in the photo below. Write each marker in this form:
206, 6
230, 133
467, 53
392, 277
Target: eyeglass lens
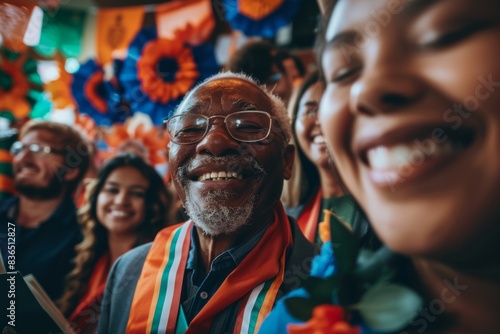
243, 126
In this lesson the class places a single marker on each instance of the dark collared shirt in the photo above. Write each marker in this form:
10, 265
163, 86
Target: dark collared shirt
198, 288
45, 251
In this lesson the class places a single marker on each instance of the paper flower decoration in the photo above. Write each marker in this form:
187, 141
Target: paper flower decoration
96, 97
137, 137
20, 84
260, 18
158, 72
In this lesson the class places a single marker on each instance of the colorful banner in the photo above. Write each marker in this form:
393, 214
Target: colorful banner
181, 14
116, 27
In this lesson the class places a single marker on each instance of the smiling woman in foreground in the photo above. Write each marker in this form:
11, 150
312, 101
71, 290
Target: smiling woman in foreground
411, 116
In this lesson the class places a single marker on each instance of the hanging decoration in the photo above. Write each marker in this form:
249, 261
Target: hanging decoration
116, 27
158, 72
261, 18
96, 97
20, 26
20, 84
62, 32
180, 14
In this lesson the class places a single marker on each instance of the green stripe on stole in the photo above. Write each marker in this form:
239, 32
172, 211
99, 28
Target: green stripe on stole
164, 282
258, 305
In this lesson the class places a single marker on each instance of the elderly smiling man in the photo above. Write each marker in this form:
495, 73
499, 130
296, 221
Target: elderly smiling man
222, 271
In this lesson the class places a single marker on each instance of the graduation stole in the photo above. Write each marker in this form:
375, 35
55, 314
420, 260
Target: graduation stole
308, 219
255, 282
86, 314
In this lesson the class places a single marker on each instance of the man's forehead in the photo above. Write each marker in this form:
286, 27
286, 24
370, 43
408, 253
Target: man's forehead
228, 93
40, 136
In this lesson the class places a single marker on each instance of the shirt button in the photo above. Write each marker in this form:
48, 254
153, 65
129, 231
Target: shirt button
203, 295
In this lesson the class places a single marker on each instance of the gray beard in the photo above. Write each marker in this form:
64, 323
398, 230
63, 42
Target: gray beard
207, 213
215, 219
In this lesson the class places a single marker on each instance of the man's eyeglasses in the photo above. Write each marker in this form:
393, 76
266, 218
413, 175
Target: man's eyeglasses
244, 126
38, 149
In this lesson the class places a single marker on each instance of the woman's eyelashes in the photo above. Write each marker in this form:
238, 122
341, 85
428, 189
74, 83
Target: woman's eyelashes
447, 38
344, 75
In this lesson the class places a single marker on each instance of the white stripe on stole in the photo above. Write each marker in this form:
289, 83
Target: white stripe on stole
168, 301
247, 313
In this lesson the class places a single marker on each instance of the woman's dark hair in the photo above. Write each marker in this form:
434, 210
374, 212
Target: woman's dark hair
158, 214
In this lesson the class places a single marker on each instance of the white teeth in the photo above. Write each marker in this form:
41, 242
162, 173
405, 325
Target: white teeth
218, 176
119, 213
319, 139
398, 156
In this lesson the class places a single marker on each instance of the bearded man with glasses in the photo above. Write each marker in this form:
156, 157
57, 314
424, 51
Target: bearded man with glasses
223, 270
49, 162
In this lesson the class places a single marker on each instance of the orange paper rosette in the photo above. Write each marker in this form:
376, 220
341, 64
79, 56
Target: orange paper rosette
154, 140
152, 82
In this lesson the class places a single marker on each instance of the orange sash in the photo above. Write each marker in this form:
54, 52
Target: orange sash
256, 281
86, 314
308, 219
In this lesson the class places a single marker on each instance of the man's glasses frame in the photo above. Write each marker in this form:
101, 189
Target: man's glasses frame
169, 123
38, 149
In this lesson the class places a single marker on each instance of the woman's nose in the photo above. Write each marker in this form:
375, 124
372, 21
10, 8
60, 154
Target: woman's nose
386, 83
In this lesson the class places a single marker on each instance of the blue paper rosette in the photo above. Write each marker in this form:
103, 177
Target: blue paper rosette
96, 97
158, 72
260, 18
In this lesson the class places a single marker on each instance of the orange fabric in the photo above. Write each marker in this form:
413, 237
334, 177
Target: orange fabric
258, 9
6, 184
250, 273
179, 14
89, 308
116, 27
5, 156
308, 219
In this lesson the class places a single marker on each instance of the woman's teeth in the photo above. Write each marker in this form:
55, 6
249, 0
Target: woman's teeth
402, 155
217, 176
319, 139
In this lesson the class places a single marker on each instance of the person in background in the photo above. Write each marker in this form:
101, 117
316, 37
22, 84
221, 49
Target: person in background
258, 59
319, 187
49, 162
223, 270
124, 207
294, 67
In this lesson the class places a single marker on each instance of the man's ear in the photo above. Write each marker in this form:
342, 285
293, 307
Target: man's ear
70, 174
289, 158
